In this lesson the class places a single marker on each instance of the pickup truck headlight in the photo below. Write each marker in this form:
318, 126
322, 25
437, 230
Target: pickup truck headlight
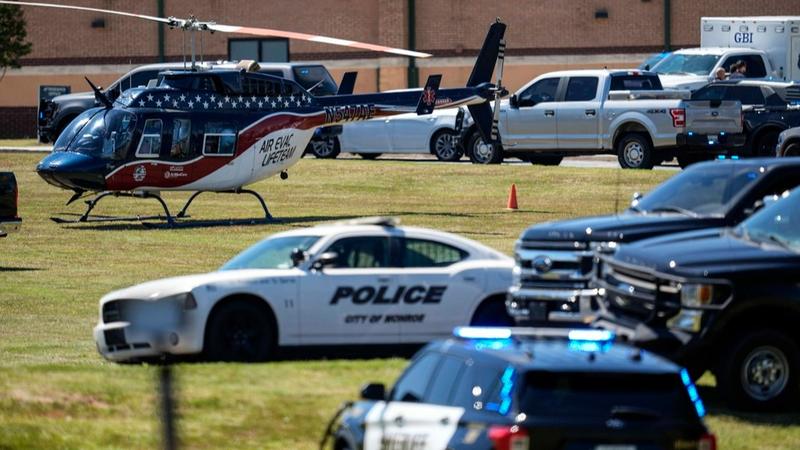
185, 300
696, 295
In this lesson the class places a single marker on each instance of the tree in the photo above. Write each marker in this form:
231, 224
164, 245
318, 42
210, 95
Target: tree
12, 37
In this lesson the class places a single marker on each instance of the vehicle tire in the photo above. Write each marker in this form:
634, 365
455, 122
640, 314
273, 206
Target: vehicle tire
634, 151
792, 149
764, 146
239, 331
685, 161
760, 372
324, 148
492, 313
544, 160
480, 154
369, 156
443, 146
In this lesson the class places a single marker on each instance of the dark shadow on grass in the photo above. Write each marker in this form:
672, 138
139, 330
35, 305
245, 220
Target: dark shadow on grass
19, 269
212, 223
717, 406
469, 215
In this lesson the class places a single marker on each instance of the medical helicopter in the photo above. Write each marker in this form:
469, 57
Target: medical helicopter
219, 130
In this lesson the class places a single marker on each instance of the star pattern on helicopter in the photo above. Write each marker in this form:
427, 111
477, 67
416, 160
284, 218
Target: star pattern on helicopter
212, 101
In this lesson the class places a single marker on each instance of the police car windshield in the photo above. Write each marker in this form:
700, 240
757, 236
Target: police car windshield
603, 395
701, 190
777, 224
677, 64
271, 253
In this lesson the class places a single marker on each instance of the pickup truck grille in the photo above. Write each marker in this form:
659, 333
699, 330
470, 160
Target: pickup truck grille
554, 265
636, 293
112, 312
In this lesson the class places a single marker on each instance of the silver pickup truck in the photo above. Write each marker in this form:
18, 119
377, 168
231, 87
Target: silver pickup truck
620, 112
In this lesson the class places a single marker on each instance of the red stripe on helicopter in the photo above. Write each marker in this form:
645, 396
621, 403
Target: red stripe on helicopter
153, 173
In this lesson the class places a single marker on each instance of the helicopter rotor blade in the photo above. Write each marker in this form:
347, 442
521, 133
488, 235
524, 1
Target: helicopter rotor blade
266, 32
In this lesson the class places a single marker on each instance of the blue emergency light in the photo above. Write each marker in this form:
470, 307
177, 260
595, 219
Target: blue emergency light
482, 332
691, 389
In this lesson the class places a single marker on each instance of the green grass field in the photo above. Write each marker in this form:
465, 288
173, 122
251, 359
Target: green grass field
19, 143
56, 392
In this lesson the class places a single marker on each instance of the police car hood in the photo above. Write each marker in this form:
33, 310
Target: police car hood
626, 227
717, 252
154, 290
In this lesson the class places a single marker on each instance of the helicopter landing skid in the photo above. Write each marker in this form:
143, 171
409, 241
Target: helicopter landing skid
87, 218
267, 215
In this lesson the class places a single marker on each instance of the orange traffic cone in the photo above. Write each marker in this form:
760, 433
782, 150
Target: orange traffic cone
512, 198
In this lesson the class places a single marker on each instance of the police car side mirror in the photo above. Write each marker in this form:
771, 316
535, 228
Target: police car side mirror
373, 391
298, 256
635, 198
513, 101
326, 259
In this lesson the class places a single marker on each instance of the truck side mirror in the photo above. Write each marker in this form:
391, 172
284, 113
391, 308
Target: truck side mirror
324, 260
373, 391
298, 256
513, 101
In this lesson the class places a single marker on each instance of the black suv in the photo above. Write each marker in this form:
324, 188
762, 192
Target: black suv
503, 389
555, 260
725, 300
9, 194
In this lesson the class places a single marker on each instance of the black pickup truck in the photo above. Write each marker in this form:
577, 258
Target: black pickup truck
768, 108
555, 260
9, 194
725, 300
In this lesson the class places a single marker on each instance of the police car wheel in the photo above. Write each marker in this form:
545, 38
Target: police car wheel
443, 146
761, 373
634, 151
239, 331
792, 150
492, 313
765, 144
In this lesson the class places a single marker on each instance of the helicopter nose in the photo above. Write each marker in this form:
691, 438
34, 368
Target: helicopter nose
70, 170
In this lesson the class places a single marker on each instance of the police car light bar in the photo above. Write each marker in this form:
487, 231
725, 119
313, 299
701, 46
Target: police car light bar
482, 332
591, 335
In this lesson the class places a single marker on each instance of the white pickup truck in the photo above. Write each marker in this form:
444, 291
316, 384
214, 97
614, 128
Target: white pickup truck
620, 112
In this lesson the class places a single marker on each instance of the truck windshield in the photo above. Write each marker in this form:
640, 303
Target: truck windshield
99, 132
271, 253
681, 64
316, 80
625, 396
776, 224
701, 190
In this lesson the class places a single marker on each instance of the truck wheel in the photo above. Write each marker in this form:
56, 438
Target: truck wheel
764, 146
792, 150
544, 160
634, 151
239, 331
492, 313
483, 154
324, 148
443, 146
761, 371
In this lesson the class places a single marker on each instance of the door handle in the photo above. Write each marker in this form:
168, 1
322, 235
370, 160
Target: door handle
399, 421
445, 421
384, 279
549, 112
590, 112
469, 278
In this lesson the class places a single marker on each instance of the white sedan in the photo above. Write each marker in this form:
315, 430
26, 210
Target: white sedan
355, 283
406, 133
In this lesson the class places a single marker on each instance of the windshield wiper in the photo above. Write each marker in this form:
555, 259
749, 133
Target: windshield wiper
772, 237
677, 209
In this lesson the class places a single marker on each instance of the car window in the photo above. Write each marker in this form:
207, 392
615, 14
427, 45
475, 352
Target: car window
141, 79
150, 144
747, 95
413, 383
540, 92
710, 92
447, 376
755, 65
635, 83
476, 384
581, 89
361, 252
425, 253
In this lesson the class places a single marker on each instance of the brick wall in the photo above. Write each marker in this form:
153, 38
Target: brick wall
17, 122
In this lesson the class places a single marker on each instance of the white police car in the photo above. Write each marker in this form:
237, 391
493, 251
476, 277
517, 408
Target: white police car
359, 282
515, 389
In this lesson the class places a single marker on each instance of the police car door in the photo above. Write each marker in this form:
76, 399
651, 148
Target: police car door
438, 293
418, 416
348, 302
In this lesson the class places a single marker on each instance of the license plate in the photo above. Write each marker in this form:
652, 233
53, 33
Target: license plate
538, 310
615, 447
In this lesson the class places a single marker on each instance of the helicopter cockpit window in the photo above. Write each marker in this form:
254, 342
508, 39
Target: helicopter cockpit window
219, 139
106, 135
181, 132
150, 145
